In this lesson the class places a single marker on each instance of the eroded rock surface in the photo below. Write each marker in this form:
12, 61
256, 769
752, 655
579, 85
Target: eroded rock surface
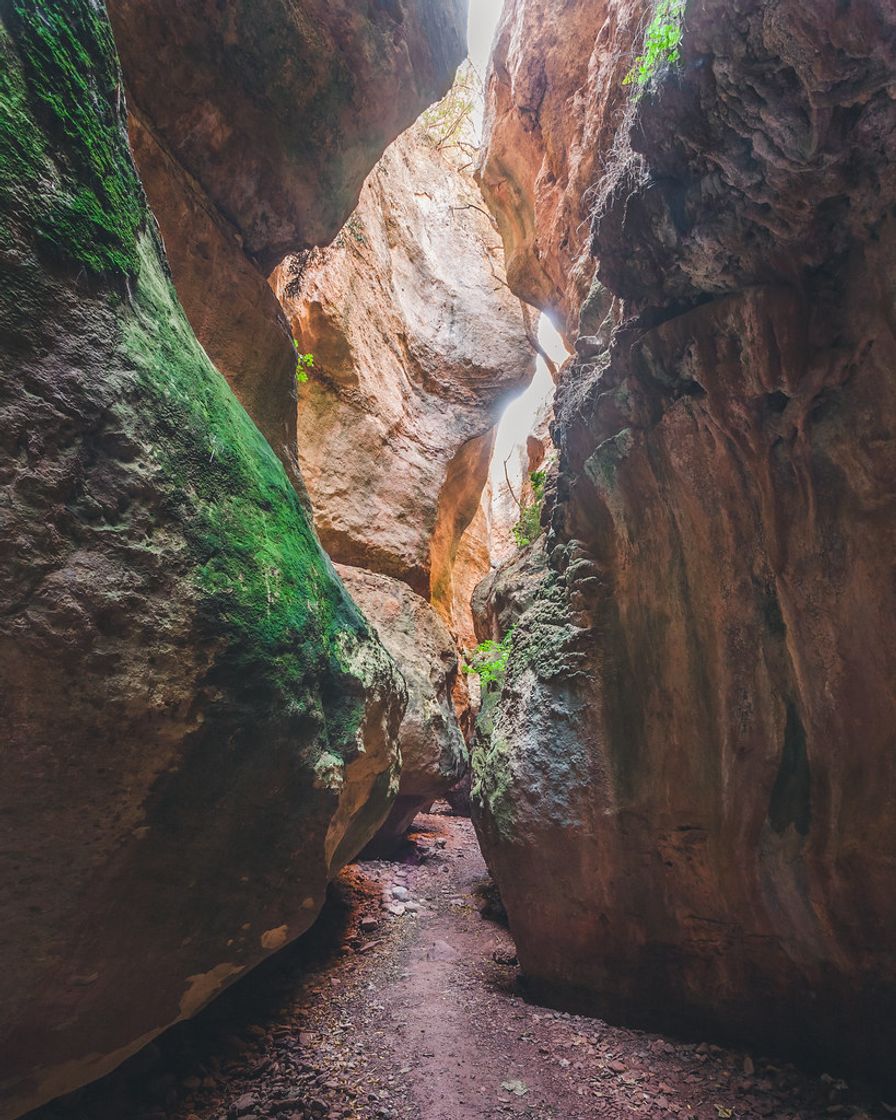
417, 344
281, 111
554, 102
254, 126
433, 753
198, 726
693, 760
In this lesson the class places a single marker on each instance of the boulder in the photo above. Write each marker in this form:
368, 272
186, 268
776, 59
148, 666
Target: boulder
417, 345
198, 727
692, 765
433, 753
280, 111
253, 127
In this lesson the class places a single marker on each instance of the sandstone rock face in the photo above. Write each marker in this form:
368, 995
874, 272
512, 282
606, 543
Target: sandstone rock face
472, 564
197, 725
253, 126
433, 753
553, 105
280, 111
693, 759
417, 345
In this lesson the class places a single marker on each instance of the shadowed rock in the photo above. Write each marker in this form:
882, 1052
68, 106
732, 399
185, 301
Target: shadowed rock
693, 759
433, 754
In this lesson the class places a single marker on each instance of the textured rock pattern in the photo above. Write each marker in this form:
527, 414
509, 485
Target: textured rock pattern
256, 142
417, 345
280, 111
502, 598
433, 754
554, 101
198, 727
693, 762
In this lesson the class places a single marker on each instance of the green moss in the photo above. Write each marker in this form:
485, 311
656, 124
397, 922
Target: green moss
265, 583
602, 465
492, 788
291, 660
65, 168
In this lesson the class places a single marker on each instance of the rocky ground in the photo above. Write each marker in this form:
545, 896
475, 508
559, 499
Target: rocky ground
403, 1003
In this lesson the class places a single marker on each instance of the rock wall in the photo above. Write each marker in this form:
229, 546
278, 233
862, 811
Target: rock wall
417, 345
433, 752
198, 725
255, 142
553, 107
692, 768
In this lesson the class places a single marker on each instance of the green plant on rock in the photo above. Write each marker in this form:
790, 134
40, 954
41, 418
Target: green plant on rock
353, 229
304, 362
449, 122
488, 660
662, 43
528, 528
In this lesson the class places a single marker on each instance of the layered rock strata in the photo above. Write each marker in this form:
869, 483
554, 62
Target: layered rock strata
254, 126
692, 768
433, 752
198, 725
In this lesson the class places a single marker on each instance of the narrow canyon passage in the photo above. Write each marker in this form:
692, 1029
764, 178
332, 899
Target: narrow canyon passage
404, 1004
447, 559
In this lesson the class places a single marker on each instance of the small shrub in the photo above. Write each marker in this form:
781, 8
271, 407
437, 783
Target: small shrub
449, 121
528, 528
662, 43
353, 229
304, 362
489, 660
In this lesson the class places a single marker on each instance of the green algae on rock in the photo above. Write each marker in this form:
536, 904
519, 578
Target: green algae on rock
60, 137
198, 726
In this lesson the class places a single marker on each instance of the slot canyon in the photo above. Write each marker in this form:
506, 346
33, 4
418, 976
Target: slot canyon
448, 583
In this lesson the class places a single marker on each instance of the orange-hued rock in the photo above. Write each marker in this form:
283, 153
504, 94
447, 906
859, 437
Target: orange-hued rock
198, 728
472, 564
417, 345
553, 101
692, 769
433, 754
240, 168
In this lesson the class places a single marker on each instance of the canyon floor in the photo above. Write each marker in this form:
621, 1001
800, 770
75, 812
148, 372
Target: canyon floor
419, 1015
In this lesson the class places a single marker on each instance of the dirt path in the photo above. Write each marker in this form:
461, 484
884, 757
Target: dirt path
415, 1015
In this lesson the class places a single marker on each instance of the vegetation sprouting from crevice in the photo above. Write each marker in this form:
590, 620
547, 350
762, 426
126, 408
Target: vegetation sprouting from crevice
662, 43
528, 528
488, 660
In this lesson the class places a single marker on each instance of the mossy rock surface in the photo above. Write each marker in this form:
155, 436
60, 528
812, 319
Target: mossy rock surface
198, 726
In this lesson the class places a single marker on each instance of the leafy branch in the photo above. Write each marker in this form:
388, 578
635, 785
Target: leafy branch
489, 659
304, 362
528, 528
662, 43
